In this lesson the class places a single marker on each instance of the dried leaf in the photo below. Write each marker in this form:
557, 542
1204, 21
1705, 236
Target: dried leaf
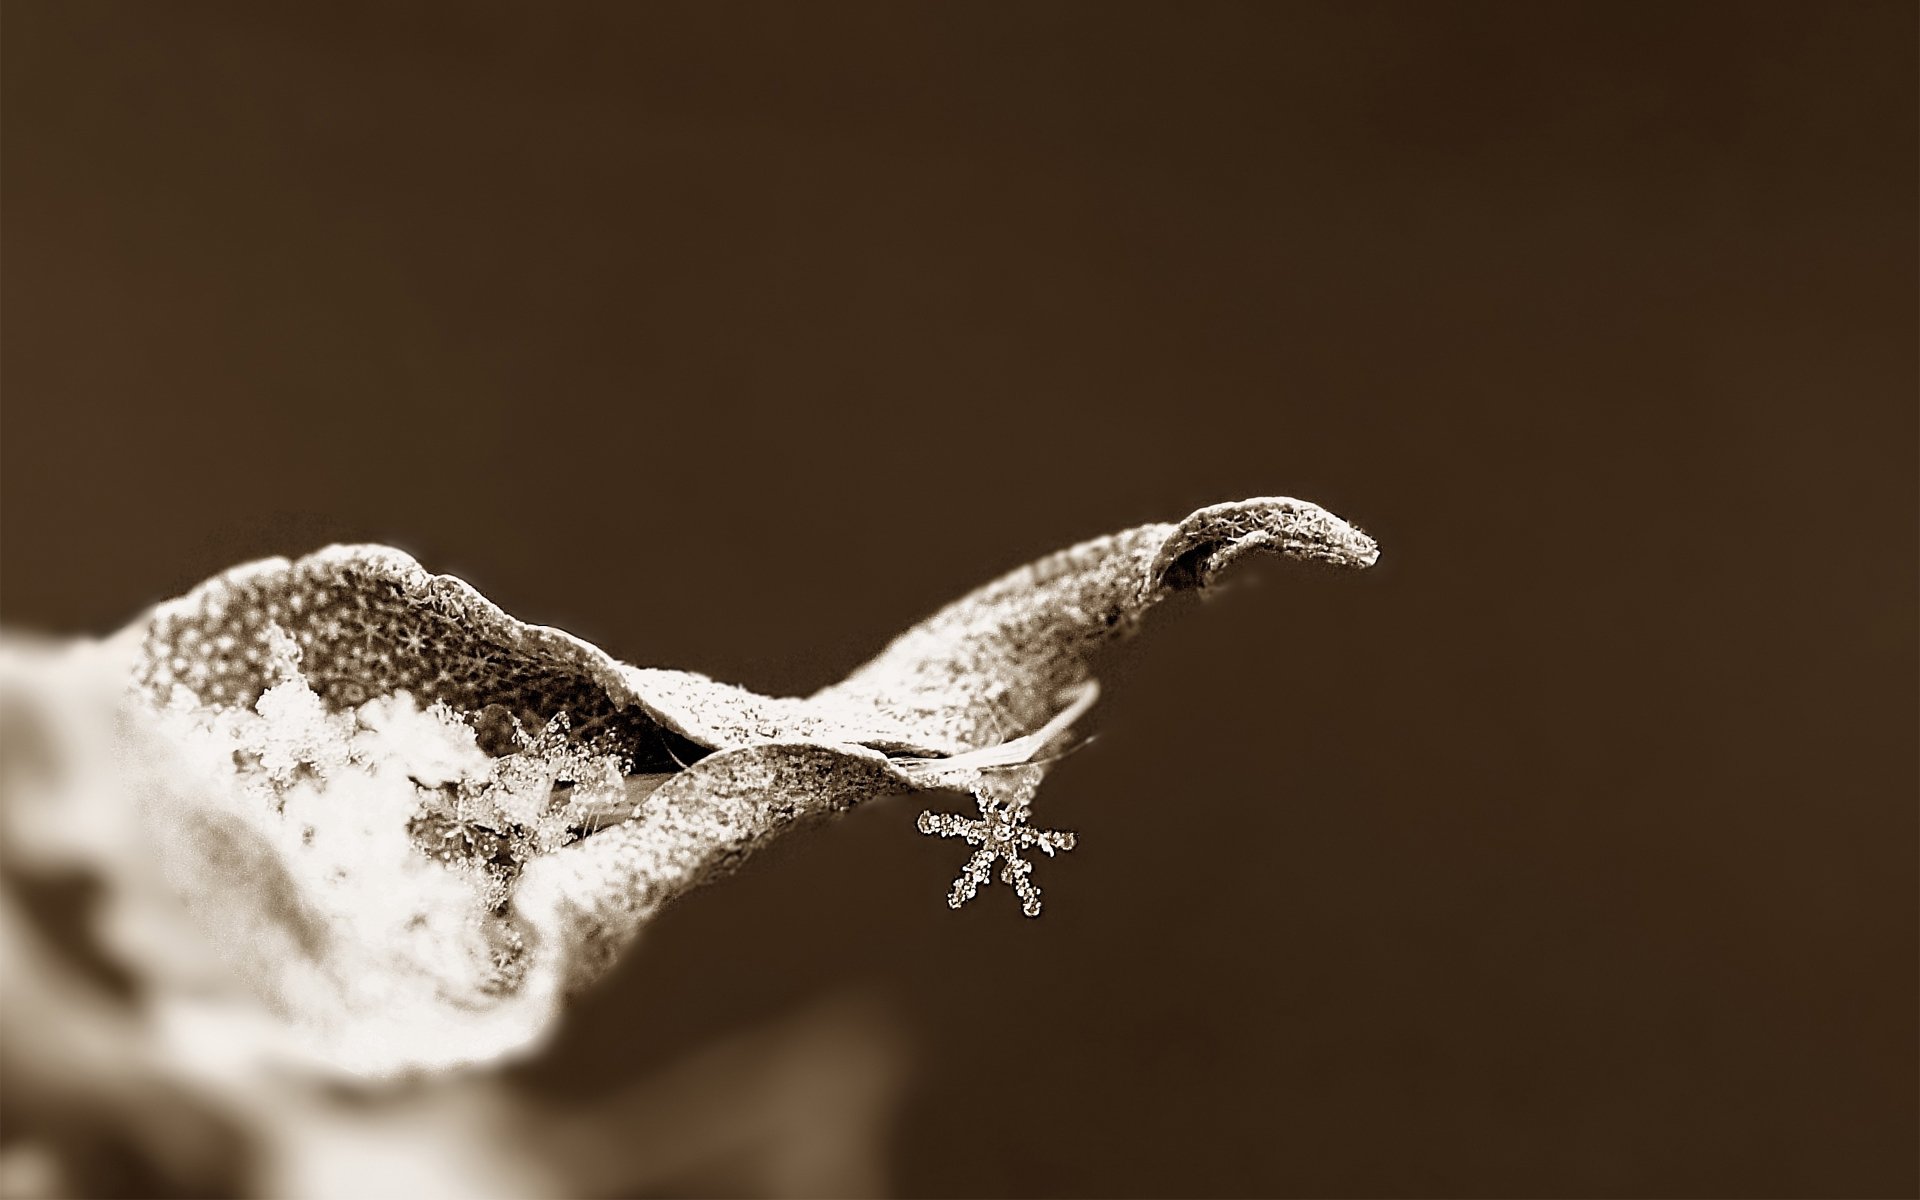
443, 791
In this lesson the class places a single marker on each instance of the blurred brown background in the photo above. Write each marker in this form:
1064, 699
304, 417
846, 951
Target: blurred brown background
1570, 852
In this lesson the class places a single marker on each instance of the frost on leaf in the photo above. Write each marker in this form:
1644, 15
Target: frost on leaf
473, 816
401, 828
1002, 832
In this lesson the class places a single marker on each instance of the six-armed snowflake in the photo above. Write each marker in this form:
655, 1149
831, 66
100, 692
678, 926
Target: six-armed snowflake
1002, 832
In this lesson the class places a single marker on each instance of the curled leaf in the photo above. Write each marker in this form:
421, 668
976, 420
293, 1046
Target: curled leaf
448, 818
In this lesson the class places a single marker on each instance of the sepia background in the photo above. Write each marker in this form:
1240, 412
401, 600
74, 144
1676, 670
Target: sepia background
1570, 851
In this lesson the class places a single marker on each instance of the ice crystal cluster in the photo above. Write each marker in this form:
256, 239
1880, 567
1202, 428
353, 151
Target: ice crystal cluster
399, 826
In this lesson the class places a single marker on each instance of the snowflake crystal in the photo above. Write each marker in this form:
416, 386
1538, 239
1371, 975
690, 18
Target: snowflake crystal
1001, 832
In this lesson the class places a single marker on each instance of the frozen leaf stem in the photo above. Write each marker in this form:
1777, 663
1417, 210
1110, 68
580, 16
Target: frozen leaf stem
570, 795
